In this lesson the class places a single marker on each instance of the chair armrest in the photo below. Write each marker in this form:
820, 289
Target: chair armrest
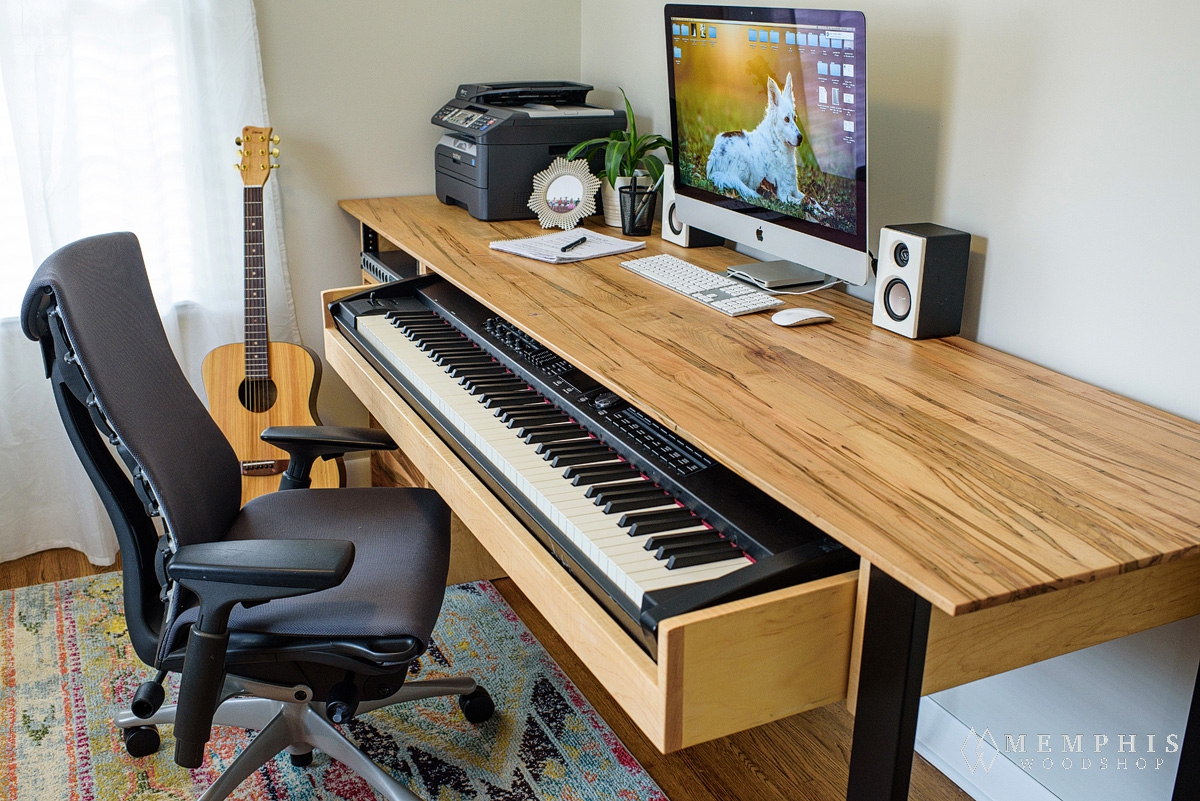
305, 443
223, 574
262, 567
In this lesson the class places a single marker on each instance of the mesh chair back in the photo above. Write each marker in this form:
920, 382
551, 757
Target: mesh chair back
103, 295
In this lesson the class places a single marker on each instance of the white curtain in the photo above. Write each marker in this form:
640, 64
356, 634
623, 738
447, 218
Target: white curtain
120, 115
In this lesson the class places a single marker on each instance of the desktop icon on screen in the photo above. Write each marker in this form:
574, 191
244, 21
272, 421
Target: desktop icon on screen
753, 35
812, 40
774, 37
837, 43
822, 67
848, 99
712, 32
762, 36
674, 30
835, 68
679, 52
789, 38
824, 41
822, 95
848, 70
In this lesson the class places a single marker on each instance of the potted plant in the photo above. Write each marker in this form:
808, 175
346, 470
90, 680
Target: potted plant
626, 154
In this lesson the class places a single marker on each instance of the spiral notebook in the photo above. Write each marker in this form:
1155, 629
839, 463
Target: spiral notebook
549, 247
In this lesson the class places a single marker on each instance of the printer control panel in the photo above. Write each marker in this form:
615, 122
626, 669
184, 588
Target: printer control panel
464, 118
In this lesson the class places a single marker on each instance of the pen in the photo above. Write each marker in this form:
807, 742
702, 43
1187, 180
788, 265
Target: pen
573, 245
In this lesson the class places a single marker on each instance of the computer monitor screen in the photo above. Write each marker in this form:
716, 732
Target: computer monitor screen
768, 122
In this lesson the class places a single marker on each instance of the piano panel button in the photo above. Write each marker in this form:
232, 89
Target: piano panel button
702, 556
707, 537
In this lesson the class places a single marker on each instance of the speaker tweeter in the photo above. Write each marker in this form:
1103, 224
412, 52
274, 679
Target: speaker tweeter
921, 280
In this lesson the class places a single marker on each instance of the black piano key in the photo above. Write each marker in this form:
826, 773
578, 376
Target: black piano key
669, 549
708, 537
583, 457
542, 418
417, 333
632, 503
502, 379
410, 315
456, 345
701, 557
583, 476
427, 338
471, 361
678, 515
549, 450
497, 373
646, 528
554, 434
639, 480
625, 490
500, 384
512, 401
533, 398
475, 370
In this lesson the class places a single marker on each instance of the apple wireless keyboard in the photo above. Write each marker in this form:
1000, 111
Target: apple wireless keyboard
712, 289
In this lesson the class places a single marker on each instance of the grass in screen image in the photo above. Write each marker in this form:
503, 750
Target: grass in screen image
723, 90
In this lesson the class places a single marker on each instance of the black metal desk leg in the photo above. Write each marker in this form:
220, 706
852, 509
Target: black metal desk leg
895, 633
1187, 779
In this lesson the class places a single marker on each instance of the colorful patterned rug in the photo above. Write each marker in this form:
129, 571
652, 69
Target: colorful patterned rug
66, 665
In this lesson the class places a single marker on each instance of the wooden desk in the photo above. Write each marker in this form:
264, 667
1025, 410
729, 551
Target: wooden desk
968, 480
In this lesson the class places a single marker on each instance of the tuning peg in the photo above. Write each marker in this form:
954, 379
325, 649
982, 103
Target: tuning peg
274, 166
238, 141
275, 152
237, 166
275, 139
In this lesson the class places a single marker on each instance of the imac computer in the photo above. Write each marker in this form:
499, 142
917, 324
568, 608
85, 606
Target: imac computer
769, 128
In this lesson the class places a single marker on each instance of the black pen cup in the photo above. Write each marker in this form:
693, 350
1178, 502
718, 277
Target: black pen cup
637, 209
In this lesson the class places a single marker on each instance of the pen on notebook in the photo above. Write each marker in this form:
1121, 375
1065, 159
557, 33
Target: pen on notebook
573, 245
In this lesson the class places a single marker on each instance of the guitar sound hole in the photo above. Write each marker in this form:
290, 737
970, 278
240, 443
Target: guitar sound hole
258, 394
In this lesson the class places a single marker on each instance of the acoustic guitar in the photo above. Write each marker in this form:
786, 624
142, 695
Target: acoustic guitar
258, 383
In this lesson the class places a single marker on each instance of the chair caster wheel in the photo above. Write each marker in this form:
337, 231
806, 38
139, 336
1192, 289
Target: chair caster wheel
301, 760
140, 741
477, 706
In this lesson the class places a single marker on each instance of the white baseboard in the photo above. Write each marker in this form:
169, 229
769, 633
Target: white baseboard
940, 738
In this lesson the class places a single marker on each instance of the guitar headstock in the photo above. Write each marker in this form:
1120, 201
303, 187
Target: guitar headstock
256, 153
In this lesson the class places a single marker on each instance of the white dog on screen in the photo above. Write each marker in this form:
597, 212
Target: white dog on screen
761, 163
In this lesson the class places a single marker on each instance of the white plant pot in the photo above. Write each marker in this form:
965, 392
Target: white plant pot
610, 198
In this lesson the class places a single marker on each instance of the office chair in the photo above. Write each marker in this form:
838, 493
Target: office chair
287, 616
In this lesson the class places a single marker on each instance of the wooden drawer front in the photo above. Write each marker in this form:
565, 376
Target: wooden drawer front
719, 670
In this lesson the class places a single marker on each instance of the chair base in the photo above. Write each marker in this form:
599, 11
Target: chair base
298, 727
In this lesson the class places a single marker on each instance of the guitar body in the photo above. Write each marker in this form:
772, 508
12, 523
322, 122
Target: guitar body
243, 407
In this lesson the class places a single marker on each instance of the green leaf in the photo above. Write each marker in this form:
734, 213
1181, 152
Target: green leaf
629, 115
614, 161
654, 166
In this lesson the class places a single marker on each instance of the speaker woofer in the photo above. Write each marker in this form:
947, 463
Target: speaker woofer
897, 299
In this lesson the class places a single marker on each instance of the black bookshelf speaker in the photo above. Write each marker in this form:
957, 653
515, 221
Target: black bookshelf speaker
921, 280
675, 231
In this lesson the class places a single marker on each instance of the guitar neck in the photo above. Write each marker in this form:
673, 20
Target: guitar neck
257, 341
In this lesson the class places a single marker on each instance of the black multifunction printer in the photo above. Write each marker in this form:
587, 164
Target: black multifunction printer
502, 134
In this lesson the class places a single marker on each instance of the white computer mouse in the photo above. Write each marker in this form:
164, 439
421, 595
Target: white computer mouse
797, 316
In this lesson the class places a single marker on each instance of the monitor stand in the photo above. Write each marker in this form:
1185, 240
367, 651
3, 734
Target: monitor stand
778, 274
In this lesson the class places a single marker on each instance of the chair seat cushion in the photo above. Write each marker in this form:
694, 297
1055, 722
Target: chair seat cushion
401, 539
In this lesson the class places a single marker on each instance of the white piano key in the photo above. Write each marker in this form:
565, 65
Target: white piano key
622, 558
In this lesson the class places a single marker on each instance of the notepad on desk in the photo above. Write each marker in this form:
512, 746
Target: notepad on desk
549, 248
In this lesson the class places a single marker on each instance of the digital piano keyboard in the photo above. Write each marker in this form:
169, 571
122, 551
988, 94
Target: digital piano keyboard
648, 523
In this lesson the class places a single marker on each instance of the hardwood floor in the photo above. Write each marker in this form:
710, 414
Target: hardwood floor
801, 758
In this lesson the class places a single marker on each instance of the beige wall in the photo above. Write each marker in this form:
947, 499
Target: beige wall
351, 87
1062, 135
